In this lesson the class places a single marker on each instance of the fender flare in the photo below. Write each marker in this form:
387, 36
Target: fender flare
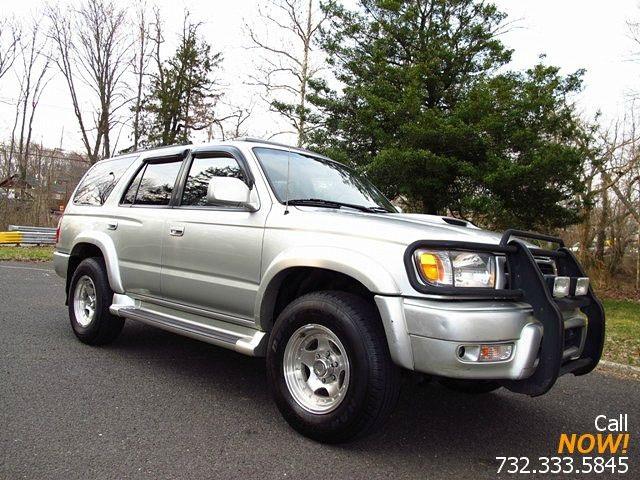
108, 249
354, 264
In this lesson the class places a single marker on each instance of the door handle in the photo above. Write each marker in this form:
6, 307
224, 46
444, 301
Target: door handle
176, 230
112, 225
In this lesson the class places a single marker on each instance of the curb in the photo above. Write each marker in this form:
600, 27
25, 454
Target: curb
619, 366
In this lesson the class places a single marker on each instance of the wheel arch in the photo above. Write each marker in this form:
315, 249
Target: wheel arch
363, 274
91, 245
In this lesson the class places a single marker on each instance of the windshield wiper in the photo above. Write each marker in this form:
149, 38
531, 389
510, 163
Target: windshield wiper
319, 202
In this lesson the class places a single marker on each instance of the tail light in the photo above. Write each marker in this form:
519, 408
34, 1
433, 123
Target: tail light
56, 239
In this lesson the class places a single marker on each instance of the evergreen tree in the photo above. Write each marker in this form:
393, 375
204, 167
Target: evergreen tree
182, 95
428, 110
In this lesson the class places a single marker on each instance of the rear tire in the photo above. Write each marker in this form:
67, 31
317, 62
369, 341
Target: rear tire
336, 337
471, 387
90, 297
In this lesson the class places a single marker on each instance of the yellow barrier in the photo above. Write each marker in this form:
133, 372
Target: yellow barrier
10, 237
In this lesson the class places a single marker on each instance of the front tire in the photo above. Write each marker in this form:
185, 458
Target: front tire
90, 297
329, 367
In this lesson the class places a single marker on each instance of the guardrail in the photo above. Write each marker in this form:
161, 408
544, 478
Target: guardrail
28, 235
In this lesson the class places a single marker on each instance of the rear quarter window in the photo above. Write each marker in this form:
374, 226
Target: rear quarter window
100, 180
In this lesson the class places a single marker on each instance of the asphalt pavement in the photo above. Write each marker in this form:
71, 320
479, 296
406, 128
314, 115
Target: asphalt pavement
157, 405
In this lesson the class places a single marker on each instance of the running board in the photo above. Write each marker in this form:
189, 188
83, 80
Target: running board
252, 344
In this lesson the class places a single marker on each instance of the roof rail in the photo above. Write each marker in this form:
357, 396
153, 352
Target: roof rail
150, 149
241, 139
279, 144
269, 142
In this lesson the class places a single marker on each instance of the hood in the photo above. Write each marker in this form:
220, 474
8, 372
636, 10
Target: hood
402, 228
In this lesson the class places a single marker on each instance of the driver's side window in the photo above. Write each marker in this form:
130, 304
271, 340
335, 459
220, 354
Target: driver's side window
201, 171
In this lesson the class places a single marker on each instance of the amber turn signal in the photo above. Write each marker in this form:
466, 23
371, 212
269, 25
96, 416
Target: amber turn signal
432, 267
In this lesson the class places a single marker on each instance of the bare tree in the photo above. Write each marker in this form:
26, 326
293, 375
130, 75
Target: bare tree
620, 165
141, 60
9, 41
232, 125
93, 44
157, 36
613, 161
33, 76
287, 64
611, 196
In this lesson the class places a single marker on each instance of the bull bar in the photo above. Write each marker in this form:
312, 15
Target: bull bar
527, 283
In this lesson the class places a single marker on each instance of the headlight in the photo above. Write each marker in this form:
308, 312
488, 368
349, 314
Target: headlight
456, 269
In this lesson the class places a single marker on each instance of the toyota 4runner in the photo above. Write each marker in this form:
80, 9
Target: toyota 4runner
275, 251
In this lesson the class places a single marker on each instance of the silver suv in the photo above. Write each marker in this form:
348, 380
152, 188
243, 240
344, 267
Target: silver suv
275, 251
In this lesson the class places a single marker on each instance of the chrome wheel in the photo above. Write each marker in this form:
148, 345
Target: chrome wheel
316, 368
84, 301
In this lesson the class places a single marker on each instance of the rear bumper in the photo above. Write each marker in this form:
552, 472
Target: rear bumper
61, 263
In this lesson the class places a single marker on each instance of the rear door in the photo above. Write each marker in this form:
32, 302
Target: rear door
212, 253
139, 228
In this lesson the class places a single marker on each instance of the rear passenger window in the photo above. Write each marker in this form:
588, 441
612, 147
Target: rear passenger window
153, 184
204, 169
130, 194
100, 180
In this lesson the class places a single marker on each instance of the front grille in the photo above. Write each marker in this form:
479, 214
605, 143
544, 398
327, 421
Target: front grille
572, 337
546, 265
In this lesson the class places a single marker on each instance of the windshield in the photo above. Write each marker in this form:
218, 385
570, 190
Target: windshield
319, 179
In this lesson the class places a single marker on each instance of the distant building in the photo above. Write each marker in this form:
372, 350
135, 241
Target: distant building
13, 184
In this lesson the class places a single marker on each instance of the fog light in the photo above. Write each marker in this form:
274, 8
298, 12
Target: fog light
582, 286
561, 286
495, 353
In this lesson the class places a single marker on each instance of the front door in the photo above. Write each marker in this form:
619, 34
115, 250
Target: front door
212, 253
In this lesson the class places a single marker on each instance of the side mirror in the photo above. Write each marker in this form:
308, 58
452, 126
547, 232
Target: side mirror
231, 191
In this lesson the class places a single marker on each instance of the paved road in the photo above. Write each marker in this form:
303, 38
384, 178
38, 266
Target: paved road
155, 405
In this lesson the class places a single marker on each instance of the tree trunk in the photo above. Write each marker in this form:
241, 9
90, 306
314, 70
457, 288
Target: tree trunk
635, 213
638, 261
601, 234
140, 78
585, 234
304, 75
428, 208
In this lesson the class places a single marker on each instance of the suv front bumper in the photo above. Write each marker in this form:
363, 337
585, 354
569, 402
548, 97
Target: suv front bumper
436, 330
548, 336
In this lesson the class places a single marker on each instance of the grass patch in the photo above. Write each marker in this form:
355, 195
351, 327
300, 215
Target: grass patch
26, 254
622, 344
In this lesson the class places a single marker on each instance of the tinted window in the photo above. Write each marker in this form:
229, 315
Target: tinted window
98, 183
130, 194
204, 169
153, 184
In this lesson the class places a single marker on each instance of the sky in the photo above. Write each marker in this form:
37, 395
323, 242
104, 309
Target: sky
573, 34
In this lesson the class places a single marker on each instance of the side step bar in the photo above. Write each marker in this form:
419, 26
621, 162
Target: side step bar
252, 344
